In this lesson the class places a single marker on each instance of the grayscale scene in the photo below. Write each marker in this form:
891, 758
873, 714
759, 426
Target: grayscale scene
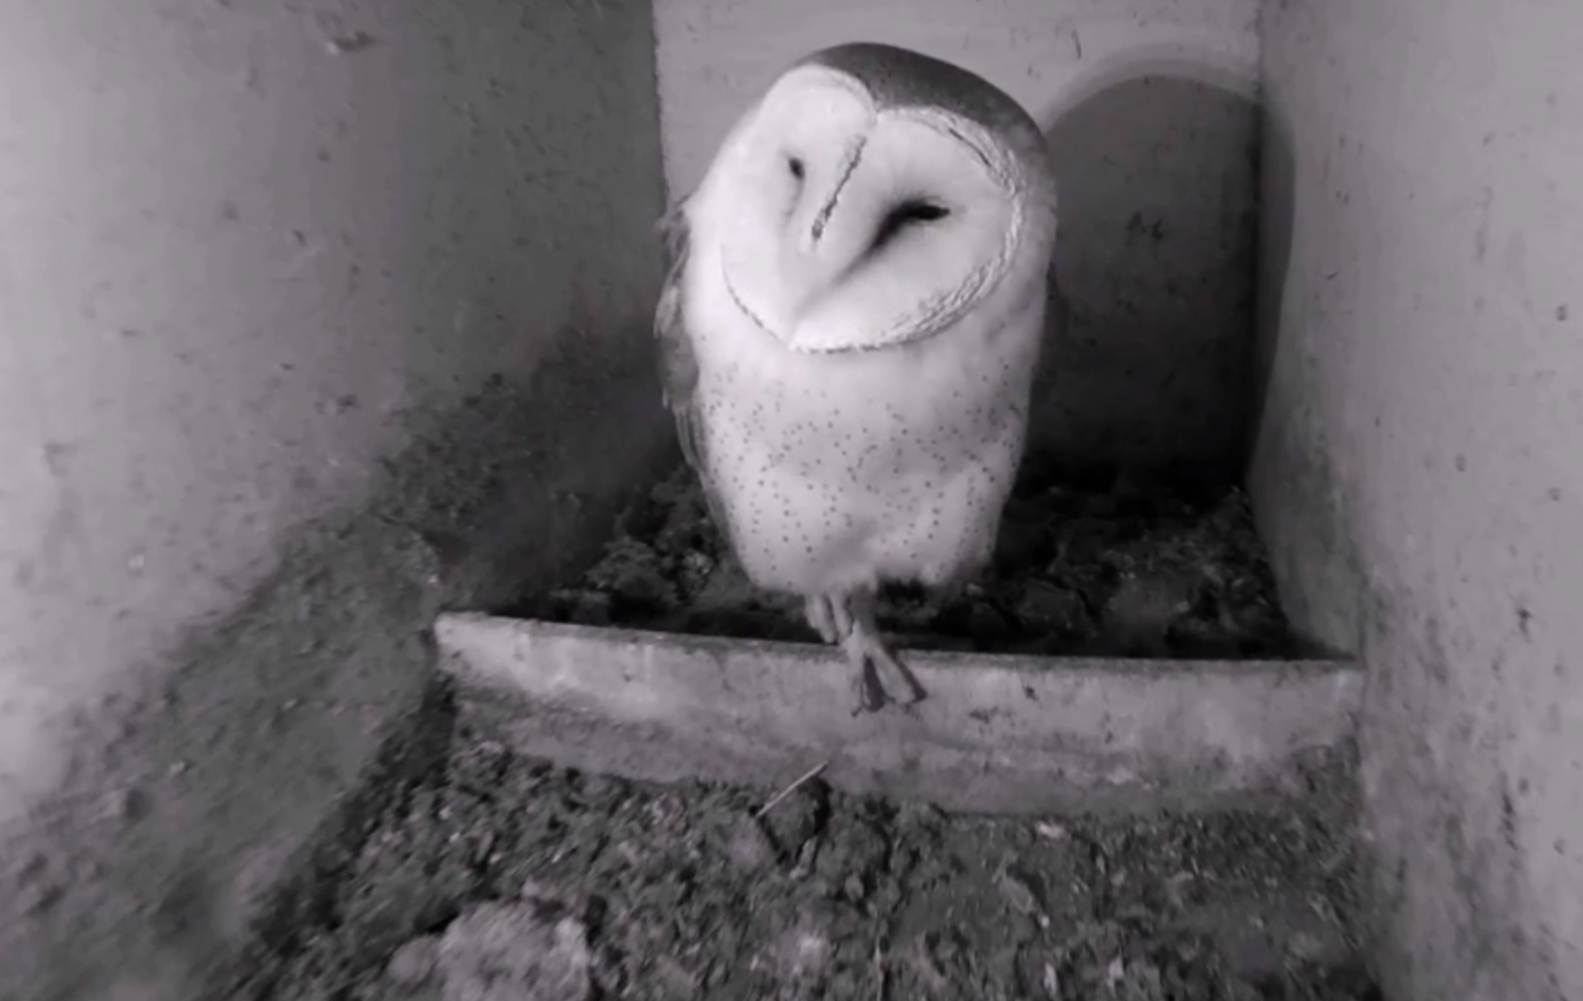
878, 500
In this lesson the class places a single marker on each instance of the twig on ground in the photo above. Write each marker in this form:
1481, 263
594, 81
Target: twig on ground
810, 773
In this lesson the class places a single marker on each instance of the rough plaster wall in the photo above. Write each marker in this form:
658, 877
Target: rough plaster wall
247, 253
1419, 467
1148, 107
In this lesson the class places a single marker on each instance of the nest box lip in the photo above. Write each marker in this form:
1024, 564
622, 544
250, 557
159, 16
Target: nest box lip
922, 658
997, 733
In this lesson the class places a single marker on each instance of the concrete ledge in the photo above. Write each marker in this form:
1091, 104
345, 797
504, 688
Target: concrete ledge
997, 734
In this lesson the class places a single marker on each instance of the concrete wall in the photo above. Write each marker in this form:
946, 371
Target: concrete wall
1148, 106
264, 267
1419, 466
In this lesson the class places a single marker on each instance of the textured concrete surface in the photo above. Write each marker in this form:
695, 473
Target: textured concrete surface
1419, 466
248, 254
1149, 109
996, 734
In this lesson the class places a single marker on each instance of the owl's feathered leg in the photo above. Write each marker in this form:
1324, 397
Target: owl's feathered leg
877, 676
829, 618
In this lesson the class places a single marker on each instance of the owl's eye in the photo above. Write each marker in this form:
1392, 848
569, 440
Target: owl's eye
907, 213
920, 211
795, 165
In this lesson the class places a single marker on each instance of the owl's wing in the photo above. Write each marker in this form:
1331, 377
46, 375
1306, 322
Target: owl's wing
678, 367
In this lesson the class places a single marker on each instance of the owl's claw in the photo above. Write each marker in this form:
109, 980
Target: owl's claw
877, 676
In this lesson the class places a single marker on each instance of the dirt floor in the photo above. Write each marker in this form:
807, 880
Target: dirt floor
495, 877
1087, 563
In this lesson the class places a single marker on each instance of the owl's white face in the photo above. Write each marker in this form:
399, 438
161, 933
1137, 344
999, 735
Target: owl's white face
845, 227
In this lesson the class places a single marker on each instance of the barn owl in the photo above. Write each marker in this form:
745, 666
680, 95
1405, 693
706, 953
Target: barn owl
849, 329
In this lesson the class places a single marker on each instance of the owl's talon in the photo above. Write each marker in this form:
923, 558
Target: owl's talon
878, 677
864, 697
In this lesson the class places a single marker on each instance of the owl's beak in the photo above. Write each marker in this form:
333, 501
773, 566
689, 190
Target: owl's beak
812, 236
805, 271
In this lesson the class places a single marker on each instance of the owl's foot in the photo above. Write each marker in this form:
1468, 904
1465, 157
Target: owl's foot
878, 677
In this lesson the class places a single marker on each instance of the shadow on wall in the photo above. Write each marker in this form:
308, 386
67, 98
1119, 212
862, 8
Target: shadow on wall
1151, 313
1300, 510
1274, 259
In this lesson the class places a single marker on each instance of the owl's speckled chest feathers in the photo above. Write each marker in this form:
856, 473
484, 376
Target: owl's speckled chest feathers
849, 469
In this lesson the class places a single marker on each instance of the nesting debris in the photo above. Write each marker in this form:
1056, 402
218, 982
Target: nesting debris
1085, 565
502, 877
523, 951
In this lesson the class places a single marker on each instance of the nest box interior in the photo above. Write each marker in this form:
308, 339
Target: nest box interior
328, 407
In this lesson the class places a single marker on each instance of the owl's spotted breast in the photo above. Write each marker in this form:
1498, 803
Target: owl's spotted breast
832, 479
